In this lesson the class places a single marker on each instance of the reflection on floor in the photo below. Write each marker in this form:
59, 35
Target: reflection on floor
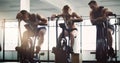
54, 62
19, 62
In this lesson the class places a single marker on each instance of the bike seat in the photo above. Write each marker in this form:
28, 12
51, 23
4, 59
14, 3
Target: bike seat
43, 24
76, 20
62, 25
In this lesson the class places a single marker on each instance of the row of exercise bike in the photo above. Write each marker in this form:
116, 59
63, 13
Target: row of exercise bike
62, 50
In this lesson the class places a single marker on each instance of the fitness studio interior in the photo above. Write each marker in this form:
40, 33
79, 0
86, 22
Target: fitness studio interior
86, 48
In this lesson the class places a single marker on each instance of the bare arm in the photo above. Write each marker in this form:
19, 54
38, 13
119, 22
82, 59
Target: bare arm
77, 17
91, 18
42, 20
19, 18
99, 19
55, 15
108, 13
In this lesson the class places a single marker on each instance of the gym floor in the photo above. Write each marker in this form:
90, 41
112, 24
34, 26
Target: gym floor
53, 62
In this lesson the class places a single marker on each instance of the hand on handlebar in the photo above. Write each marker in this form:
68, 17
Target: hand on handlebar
74, 20
111, 14
19, 16
53, 17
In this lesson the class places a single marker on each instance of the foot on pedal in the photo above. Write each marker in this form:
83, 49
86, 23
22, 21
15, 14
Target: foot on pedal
36, 57
70, 50
18, 49
111, 53
42, 53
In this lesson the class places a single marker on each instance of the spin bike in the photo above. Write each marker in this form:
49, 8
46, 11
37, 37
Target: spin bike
62, 51
102, 48
26, 51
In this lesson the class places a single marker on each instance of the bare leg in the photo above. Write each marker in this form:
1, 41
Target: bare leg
109, 37
110, 41
72, 37
72, 40
40, 39
24, 42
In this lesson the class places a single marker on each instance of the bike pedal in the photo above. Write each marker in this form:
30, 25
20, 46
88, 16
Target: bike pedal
18, 49
35, 59
42, 53
70, 50
114, 56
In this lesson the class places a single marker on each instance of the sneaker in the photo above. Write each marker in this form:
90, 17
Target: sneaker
70, 50
36, 57
18, 49
111, 53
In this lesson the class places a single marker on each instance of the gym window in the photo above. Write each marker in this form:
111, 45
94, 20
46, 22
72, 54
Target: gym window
86, 36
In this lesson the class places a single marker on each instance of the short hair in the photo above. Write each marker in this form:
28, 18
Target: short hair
92, 1
23, 12
66, 7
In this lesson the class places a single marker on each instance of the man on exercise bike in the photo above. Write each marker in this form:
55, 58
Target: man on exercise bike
99, 17
69, 18
35, 26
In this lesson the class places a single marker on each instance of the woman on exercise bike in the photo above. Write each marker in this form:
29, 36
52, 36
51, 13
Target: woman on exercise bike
35, 26
69, 17
99, 17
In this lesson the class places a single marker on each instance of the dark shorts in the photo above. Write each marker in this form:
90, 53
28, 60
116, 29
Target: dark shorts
110, 26
62, 25
38, 29
70, 30
34, 28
